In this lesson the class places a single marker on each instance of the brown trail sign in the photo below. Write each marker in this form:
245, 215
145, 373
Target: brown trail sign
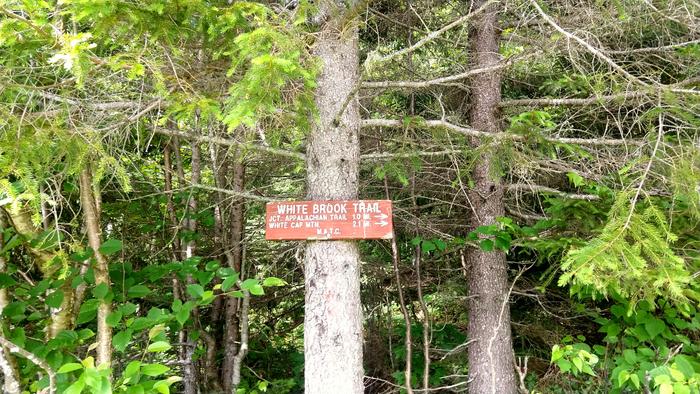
324, 220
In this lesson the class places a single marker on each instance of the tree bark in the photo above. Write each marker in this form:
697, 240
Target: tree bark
8, 364
61, 317
189, 369
333, 316
234, 258
92, 224
172, 217
491, 353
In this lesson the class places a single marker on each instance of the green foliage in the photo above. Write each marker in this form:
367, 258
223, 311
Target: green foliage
274, 77
632, 257
575, 358
642, 347
495, 236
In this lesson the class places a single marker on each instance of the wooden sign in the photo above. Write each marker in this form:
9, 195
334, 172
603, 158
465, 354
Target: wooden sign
319, 220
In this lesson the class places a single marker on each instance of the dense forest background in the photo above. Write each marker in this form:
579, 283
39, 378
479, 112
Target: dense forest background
543, 159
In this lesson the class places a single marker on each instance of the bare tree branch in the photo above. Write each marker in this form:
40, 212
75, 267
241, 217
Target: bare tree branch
34, 359
437, 81
652, 49
431, 36
469, 132
523, 187
652, 91
229, 142
593, 50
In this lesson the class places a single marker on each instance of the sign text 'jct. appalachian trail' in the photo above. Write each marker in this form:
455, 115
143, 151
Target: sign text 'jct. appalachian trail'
318, 220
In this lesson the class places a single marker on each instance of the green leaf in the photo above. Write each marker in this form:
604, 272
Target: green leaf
681, 388
630, 356
132, 369
15, 310
503, 242
5, 279
155, 331
138, 389
487, 230
440, 244
253, 286
576, 179
427, 246
154, 369
54, 299
100, 291
75, 388
160, 346
564, 365
212, 265
578, 363
623, 377
163, 386
665, 388
121, 339
635, 380
257, 290
127, 309
195, 290
273, 281
137, 291
618, 310
248, 283
111, 246
225, 272
683, 364
69, 367
15, 241
486, 245
113, 318
182, 315
654, 327
557, 353
229, 282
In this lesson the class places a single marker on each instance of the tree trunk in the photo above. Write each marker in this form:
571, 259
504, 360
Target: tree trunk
333, 316
189, 367
172, 217
61, 317
8, 364
234, 259
491, 353
92, 224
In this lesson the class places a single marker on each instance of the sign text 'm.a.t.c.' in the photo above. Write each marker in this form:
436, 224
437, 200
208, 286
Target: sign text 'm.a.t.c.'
319, 220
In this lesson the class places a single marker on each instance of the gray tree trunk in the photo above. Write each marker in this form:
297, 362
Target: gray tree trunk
91, 214
491, 368
333, 314
234, 259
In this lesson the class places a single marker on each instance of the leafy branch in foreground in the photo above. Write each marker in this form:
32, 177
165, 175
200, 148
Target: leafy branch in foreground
632, 257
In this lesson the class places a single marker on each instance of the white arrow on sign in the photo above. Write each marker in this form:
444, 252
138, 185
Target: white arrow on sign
381, 216
382, 223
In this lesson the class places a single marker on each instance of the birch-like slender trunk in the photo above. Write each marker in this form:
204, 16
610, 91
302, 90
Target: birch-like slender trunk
91, 216
8, 364
491, 354
333, 315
